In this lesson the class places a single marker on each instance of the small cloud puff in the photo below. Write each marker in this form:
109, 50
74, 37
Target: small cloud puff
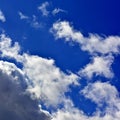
2, 17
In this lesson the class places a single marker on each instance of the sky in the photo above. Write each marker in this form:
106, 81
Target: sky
60, 60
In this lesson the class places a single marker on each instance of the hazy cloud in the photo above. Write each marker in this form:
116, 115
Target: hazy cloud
58, 10
43, 8
22, 16
2, 17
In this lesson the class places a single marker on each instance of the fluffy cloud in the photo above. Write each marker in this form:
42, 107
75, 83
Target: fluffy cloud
7, 49
2, 17
49, 83
14, 103
103, 94
99, 66
43, 8
98, 92
72, 113
46, 82
93, 43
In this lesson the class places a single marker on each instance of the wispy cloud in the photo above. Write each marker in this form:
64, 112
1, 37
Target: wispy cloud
43, 8
58, 10
2, 17
32, 21
22, 16
35, 23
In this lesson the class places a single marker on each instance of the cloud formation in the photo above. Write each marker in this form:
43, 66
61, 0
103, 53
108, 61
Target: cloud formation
43, 8
15, 104
22, 16
45, 78
103, 94
39, 81
58, 10
2, 17
93, 43
100, 66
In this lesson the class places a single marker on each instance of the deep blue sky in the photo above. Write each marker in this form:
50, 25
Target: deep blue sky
89, 16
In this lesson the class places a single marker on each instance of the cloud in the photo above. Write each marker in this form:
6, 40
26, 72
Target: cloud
22, 16
58, 10
101, 92
45, 78
38, 80
70, 112
49, 83
43, 8
104, 95
15, 104
100, 66
32, 21
93, 43
9, 50
2, 17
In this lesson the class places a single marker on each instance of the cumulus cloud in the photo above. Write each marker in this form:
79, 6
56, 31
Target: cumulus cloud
104, 95
93, 43
100, 93
103, 47
43, 8
46, 81
70, 112
7, 49
2, 17
15, 104
100, 66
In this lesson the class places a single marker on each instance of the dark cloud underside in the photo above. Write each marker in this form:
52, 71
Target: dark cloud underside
14, 104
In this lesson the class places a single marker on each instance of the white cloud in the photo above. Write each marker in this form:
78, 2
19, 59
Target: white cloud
72, 113
46, 81
22, 16
49, 83
64, 30
101, 93
57, 10
2, 17
43, 8
7, 49
93, 44
100, 66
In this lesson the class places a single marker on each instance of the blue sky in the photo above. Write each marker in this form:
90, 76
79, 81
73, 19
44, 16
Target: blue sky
62, 59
